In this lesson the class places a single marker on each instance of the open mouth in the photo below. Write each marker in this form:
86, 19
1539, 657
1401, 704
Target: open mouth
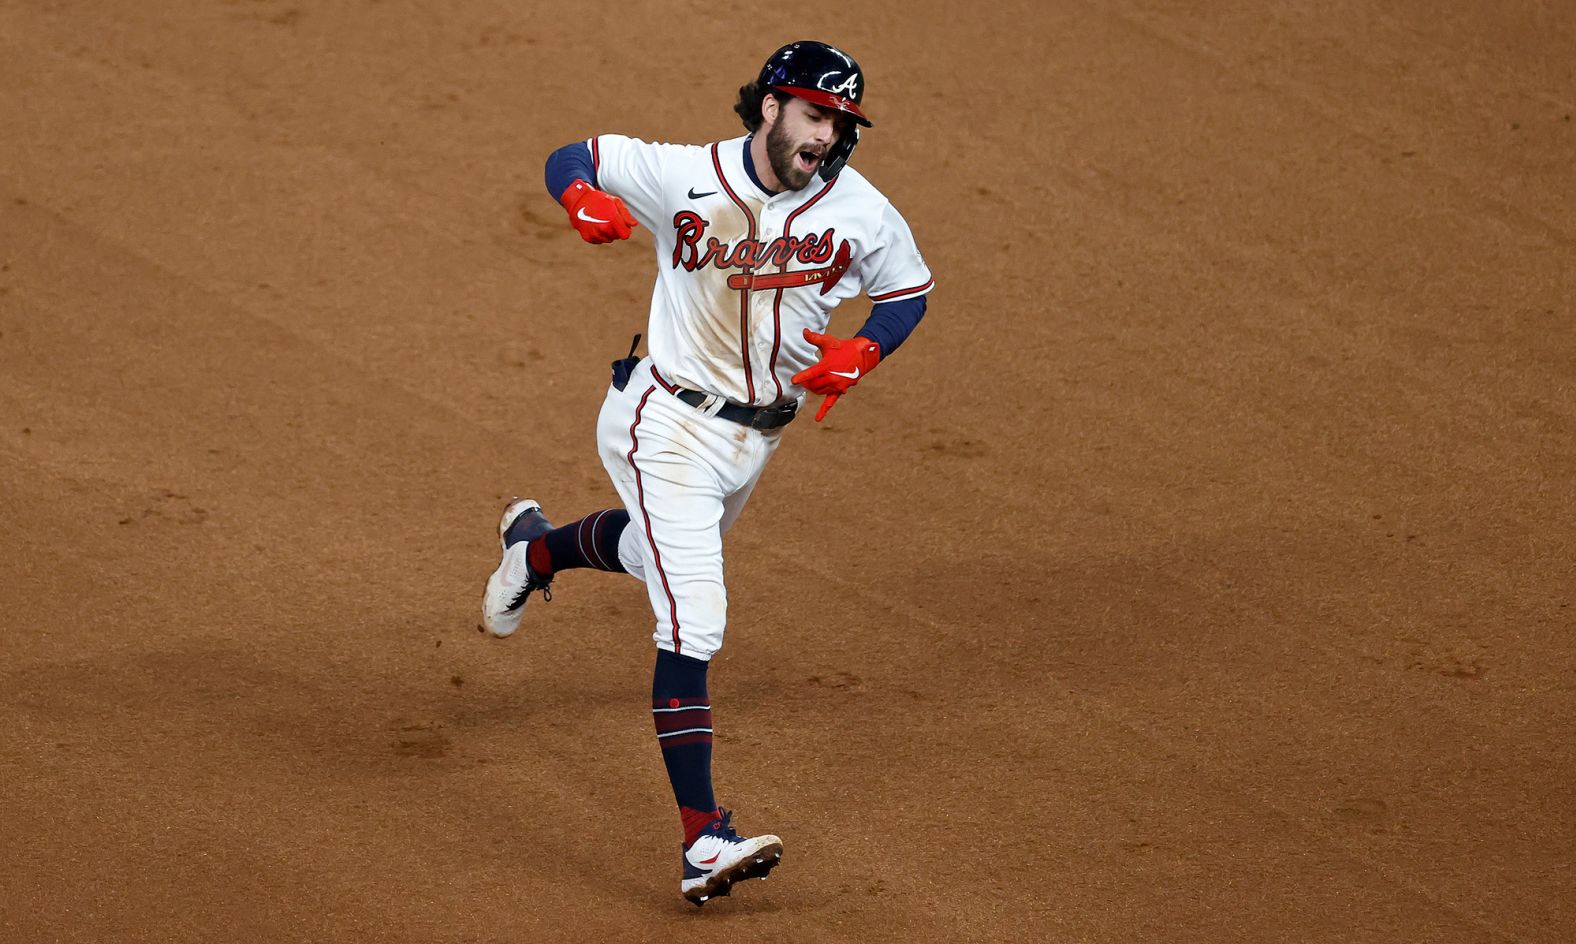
807, 160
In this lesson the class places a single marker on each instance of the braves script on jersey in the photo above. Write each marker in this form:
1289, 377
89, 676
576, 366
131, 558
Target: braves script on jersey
742, 272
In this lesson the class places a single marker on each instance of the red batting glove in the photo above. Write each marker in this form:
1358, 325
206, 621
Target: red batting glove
842, 364
599, 217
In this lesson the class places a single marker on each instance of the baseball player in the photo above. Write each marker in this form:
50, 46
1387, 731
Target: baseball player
758, 239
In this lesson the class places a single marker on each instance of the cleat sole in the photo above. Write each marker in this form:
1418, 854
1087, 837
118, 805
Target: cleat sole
721, 885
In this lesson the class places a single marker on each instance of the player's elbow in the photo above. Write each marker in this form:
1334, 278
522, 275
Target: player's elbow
566, 165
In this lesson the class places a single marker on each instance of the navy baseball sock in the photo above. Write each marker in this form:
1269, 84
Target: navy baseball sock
590, 542
683, 716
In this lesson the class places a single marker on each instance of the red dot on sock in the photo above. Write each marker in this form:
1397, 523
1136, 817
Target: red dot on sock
673, 702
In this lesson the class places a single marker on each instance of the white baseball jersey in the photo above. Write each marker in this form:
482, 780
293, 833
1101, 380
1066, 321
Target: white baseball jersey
741, 272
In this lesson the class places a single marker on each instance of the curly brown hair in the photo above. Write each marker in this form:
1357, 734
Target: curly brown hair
748, 108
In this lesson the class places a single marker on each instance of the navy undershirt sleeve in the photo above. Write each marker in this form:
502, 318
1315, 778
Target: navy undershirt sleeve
890, 323
568, 164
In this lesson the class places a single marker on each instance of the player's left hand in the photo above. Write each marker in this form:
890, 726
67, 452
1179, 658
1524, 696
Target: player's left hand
843, 363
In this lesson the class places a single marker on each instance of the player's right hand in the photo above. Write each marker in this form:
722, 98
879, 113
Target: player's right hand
599, 217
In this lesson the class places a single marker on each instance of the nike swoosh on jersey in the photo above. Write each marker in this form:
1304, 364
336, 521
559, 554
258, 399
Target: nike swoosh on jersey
696, 196
852, 376
581, 213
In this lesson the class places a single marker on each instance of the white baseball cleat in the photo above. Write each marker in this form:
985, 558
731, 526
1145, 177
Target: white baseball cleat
513, 582
720, 857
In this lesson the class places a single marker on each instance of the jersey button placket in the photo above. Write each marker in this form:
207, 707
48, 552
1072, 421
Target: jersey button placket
771, 227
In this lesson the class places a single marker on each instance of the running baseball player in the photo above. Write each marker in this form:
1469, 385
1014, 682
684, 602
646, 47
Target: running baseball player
758, 239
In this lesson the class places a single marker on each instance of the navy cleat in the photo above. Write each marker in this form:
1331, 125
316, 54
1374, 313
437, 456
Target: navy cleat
719, 857
513, 582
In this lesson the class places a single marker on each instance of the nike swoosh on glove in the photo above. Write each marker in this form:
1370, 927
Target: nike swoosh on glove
843, 363
598, 217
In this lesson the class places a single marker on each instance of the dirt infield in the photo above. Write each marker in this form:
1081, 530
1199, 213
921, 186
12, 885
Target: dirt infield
1204, 569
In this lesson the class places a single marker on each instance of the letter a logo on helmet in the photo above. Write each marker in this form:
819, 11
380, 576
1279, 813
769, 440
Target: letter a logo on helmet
848, 87
826, 76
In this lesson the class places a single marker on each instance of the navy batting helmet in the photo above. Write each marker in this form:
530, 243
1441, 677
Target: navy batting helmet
826, 76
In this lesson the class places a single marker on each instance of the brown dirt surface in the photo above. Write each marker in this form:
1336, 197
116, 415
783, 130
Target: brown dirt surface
1202, 570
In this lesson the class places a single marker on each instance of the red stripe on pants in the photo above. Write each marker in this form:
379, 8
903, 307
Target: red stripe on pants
640, 493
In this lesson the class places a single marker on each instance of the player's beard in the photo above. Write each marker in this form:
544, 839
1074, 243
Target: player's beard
782, 151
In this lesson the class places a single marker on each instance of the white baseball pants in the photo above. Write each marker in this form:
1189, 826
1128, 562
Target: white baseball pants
684, 476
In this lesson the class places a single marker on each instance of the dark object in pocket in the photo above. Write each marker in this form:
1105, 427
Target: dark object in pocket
624, 367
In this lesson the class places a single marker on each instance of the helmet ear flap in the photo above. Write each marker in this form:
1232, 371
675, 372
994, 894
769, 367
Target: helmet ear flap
838, 154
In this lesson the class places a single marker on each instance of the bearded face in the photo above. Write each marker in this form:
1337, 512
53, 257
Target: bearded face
798, 141
793, 162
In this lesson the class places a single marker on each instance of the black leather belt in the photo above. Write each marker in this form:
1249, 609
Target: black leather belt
762, 417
